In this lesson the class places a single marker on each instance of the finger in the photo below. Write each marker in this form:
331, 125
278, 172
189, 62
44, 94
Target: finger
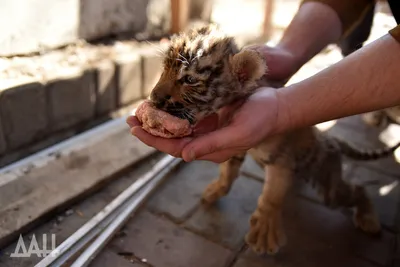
133, 121
210, 143
208, 124
170, 146
221, 156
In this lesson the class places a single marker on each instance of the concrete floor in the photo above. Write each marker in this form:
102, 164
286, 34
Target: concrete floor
174, 230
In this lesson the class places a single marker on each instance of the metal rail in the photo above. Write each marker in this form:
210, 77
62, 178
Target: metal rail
101, 241
82, 237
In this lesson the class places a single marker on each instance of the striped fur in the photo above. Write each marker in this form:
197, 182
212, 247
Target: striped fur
212, 60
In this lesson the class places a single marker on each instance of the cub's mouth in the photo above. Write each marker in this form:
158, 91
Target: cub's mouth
177, 109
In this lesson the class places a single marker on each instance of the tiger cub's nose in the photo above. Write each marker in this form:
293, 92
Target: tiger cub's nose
159, 99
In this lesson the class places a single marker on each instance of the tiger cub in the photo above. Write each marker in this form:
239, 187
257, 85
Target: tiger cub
203, 71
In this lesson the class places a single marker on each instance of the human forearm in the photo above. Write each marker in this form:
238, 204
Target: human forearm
365, 81
314, 27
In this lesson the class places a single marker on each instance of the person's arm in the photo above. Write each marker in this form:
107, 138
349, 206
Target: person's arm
314, 26
322, 22
367, 80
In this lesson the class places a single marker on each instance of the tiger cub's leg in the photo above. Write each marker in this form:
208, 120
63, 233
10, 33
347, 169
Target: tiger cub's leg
375, 118
348, 195
338, 192
228, 172
365, 217
266, 233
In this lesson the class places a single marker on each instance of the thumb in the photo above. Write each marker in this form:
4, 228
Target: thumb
212, 142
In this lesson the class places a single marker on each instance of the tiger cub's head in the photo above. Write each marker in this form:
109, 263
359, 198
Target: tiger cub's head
203, 71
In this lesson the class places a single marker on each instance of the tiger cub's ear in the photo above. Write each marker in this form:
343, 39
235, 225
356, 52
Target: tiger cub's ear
248, 66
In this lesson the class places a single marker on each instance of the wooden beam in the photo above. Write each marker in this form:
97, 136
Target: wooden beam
268, 21
179, 15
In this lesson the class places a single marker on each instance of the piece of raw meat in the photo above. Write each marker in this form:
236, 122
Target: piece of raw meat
161, 123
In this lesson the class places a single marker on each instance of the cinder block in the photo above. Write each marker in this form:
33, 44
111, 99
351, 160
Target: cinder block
106, 91
71, 99
129, 78
23, 111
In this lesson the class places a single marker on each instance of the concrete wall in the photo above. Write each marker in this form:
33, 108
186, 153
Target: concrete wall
31, 26
37, 25
38, 112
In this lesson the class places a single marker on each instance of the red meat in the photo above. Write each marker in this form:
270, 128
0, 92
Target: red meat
161, 123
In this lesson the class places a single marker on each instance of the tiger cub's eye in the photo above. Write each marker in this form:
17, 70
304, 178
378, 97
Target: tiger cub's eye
190, 79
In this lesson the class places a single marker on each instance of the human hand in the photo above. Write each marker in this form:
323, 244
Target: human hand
239, 129
282, 64
218, 138
173, 146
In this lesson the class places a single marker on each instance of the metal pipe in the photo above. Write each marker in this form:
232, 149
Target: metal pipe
95, 225
101, 241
